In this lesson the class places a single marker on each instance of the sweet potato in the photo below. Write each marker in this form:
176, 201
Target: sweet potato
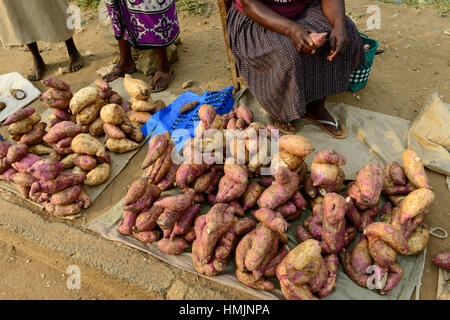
152, 193
277, 194
188, 107
242, 112
105, 95
147, 236
16, 152
23, 179
230, 190
288, 160
142, 105
318, 39
19, 115
112, 114
126, 224
63, 115
207, 113
86, 144
169, 180
96, 128
85, 162
416, 203
442, 260
272, 219
184, 224
136, 134
55, 83
323, 174
63, 181
390, 235
296, 144
251, 195
7, 174
156, 147
98, 175
173, 246
136, 88
83, 98
102, 85
35, 136
90, 113
186, 174
370, 183
113, 131
24, 125
177, 203
334, 207
330, 157
138, 116
414, 169
46, 169
63, 211
121, 145
26, 162
418, 240
67, 196
146, 220
62, 130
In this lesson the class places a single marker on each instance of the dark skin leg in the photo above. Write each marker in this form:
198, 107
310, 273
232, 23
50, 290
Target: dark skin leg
39, 65
316, 110
125, 64
162, 76
75, 62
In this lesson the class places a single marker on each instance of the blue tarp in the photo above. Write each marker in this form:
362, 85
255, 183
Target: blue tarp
169, 119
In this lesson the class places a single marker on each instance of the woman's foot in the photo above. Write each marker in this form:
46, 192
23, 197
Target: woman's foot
38, 70
120, 70
316, 111
285, 127
161, 80
75, 62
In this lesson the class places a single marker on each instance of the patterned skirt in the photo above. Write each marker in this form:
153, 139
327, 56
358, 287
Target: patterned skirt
283, 80
145, 24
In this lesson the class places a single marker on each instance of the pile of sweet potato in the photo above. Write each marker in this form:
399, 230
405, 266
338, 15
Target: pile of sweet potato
42, 180
141, 105
250, 214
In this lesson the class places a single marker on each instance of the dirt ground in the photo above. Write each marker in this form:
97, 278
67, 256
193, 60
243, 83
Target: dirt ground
415, 63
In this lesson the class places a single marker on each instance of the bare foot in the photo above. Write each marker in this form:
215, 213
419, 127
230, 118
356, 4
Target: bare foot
161, 80
38, 70
75, 62
285, 126
119, 70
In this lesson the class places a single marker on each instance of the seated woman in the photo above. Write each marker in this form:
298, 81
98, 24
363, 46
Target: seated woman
276, 57
144, 24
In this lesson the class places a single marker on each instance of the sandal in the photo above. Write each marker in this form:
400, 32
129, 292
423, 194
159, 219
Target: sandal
335, 124
171, 76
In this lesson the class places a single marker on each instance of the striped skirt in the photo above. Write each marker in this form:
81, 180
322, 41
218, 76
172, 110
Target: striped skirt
283, 80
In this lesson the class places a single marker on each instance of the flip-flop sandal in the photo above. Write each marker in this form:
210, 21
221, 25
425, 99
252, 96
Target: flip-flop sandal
283, 130
335, 124
171, 76
121, 75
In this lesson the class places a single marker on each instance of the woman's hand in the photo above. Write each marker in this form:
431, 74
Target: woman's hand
338, 42
299, 35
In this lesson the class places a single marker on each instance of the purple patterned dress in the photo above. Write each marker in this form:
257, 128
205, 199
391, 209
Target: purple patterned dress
145, 24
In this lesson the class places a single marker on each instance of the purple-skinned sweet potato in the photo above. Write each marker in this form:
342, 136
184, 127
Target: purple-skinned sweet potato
184, 224
415, 203
85, 162
229, 189
35, 136
251, 195
323, 174
61, 182
147, 236
127, 223
66, 196
62, 130
55, 83
46, 169
26, 162
330, 157
277, 194
177, 203
135, 191
63, 211
151, 193
156, 147
16, 152
442, 260
296, 144
334, 207
390, 235
272, 219
19, 115
23, 179
331, 262
146, 220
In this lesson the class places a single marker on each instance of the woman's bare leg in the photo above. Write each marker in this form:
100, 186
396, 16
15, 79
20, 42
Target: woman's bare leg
39, 65
75, 62
162, 75
125, 64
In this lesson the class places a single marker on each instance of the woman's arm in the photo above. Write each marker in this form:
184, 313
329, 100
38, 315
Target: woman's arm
271, 20
334, 10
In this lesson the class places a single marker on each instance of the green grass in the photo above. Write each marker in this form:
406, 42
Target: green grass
193, 7
442, 5
91, 4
